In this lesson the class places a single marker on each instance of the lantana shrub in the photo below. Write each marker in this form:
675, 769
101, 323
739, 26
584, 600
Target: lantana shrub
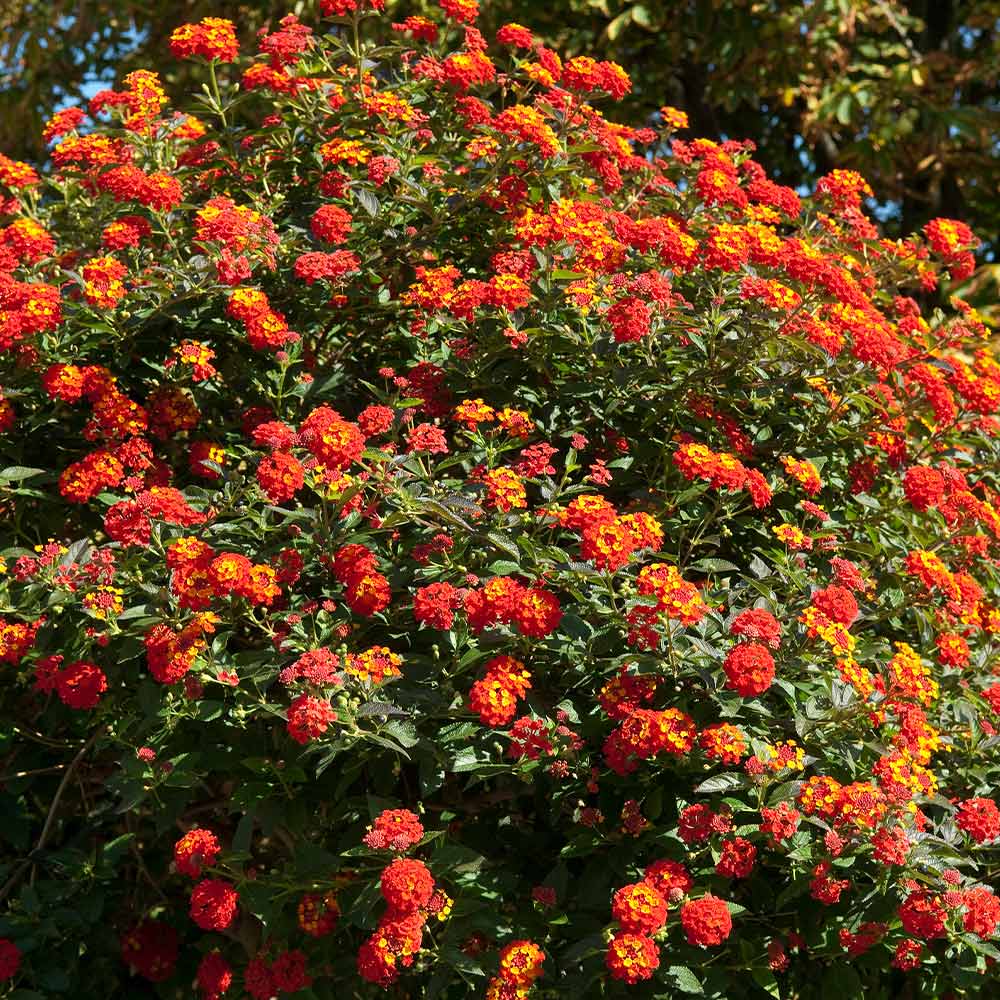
456, 545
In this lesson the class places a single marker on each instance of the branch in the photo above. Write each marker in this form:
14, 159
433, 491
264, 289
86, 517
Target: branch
50, 818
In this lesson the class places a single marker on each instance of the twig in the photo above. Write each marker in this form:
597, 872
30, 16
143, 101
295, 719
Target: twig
14, 775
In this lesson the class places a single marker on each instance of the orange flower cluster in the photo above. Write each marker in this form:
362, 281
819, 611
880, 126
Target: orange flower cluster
979, 818
214, 904
374, 666
504, 490
495, 696
241, 232
140, 102
954, 242
641, 912
909, 678
394, 829
366, 589
520, 965
170, 655
626, 692
857, 809
24, 241
196, 848
213, 38
722, 471
318, 915
675, 597
79, 685
526, 124
749, 669
16, 639
632, 958
200, 574
639, 909
608, 539
309, 718
265, 328
408, 889
724, 742
15, 174
706, 921
534, 611
646, 733
805, 472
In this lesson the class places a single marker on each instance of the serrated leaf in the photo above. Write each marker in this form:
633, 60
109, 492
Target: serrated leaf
506, 543
449, 515
389, 744
467, 759
503, 567
714, 566
17, 473
402, 731
685, 979
721, 783
137, 611
385, 708
367, 200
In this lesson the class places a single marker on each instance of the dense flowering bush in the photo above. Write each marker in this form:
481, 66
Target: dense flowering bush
456, 545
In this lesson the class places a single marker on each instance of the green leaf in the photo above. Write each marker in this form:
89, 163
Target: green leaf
458, 959
381, 708
784, 792
431, 774
503, 567
764, 978
843, 111
17, 473
506, 543
841, 981
575, 627
115, 849
697, 341
615, 28
367, 200
714, 566
389, 744
259, 899
721, 783
402, 731
244, 833
686, 980
468, 759
449, 515
138, 611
